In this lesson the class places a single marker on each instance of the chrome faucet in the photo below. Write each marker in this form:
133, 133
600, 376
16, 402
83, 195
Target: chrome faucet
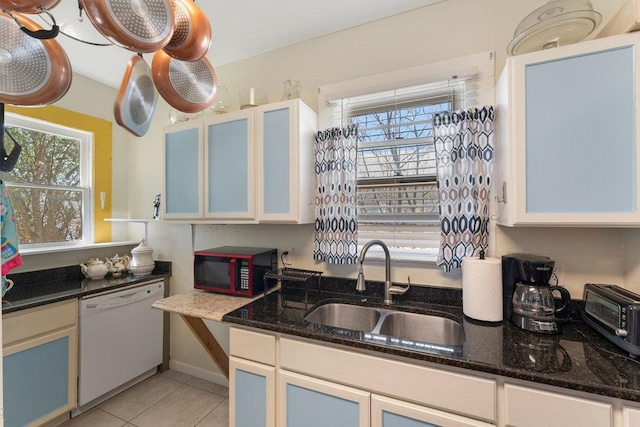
389, 288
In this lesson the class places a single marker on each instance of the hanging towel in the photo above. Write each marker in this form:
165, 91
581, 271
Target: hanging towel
10, 256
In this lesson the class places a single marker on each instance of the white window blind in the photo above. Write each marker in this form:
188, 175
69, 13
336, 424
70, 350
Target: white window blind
397, 188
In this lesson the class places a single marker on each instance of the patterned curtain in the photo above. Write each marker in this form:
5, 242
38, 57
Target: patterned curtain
464, 156
336, 238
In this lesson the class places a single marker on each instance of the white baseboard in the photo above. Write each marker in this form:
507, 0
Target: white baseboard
214, 377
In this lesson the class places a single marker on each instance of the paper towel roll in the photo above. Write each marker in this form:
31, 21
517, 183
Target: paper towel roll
482, 288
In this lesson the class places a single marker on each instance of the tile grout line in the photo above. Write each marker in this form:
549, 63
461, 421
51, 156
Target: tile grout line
158, 402
209, 413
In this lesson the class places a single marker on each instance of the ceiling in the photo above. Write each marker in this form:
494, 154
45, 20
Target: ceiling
241, 29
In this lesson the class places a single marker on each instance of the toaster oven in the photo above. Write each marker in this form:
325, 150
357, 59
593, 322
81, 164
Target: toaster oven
615, 313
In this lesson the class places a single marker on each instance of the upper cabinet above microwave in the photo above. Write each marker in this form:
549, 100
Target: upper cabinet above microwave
249, 166
567, 136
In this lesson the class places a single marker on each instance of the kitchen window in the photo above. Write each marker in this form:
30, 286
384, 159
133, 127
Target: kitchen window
397, 186
50, 185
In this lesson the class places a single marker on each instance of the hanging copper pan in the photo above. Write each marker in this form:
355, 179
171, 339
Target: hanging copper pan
137, 98
188, 86
27, 6
32, 71
142, 26
192, 36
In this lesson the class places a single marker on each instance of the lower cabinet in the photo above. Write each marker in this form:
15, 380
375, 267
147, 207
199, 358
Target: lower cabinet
630, 417
388, 412
39, 363
558, 410
288, 382
308, 385
309, 402
252, 394
305, 401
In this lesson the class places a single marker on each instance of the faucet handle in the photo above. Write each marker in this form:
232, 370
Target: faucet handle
398, 290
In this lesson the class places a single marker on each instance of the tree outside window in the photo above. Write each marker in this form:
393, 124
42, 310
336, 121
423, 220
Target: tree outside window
47, 186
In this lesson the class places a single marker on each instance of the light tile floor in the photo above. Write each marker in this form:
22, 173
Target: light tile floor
167, 399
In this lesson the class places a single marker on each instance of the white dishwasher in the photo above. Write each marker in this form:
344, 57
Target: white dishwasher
120, 339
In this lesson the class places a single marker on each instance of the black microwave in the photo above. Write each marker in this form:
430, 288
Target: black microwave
233, 270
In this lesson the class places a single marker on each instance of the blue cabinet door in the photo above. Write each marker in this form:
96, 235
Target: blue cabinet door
182, 162
252, 394
230, 167
310, 402
310, 408
581, 133
36, 382
251, 399
389, 412
389, 419
276, 158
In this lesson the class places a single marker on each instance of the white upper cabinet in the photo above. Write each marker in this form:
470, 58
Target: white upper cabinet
285, 162
248, 166
566, 136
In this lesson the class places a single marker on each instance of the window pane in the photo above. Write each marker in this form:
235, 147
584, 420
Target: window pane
397, 123
398, 204
397, 161
47, 216
397, 193
46, 159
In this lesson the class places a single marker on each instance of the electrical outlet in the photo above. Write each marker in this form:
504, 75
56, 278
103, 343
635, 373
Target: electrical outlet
286, 256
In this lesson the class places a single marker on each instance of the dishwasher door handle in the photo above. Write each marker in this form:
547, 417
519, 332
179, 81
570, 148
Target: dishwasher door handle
120, 300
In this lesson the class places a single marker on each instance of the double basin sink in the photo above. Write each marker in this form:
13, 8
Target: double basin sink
401, 325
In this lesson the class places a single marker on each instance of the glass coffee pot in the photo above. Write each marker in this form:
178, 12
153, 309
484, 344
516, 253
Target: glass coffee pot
533, 306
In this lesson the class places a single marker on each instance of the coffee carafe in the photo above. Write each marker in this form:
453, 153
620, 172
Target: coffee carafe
532, 306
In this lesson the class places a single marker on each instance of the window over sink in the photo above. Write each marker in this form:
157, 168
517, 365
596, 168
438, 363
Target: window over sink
397, 185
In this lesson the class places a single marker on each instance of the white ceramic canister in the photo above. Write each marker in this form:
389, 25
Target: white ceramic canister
142, 262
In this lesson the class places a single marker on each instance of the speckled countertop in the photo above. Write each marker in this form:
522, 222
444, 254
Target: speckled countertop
202, 304
578, 359
33, 289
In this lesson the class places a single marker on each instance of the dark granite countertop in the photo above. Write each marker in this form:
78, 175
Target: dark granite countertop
33, 289
579, 358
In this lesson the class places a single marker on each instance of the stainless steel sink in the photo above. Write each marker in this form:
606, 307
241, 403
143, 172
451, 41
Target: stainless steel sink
345, 316
423, 327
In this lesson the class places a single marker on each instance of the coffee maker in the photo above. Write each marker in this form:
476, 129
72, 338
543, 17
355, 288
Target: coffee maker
528, 300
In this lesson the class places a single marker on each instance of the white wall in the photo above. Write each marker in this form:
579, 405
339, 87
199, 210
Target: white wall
446, 30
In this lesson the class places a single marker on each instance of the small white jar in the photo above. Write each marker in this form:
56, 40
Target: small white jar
142, 262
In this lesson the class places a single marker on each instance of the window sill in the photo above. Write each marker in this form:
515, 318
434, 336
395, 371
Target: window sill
68, 248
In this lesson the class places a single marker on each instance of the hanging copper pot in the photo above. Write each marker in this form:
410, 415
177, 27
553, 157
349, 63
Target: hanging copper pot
142, 26
192, 36
32, 71
188, 86
27, 6
137, 98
